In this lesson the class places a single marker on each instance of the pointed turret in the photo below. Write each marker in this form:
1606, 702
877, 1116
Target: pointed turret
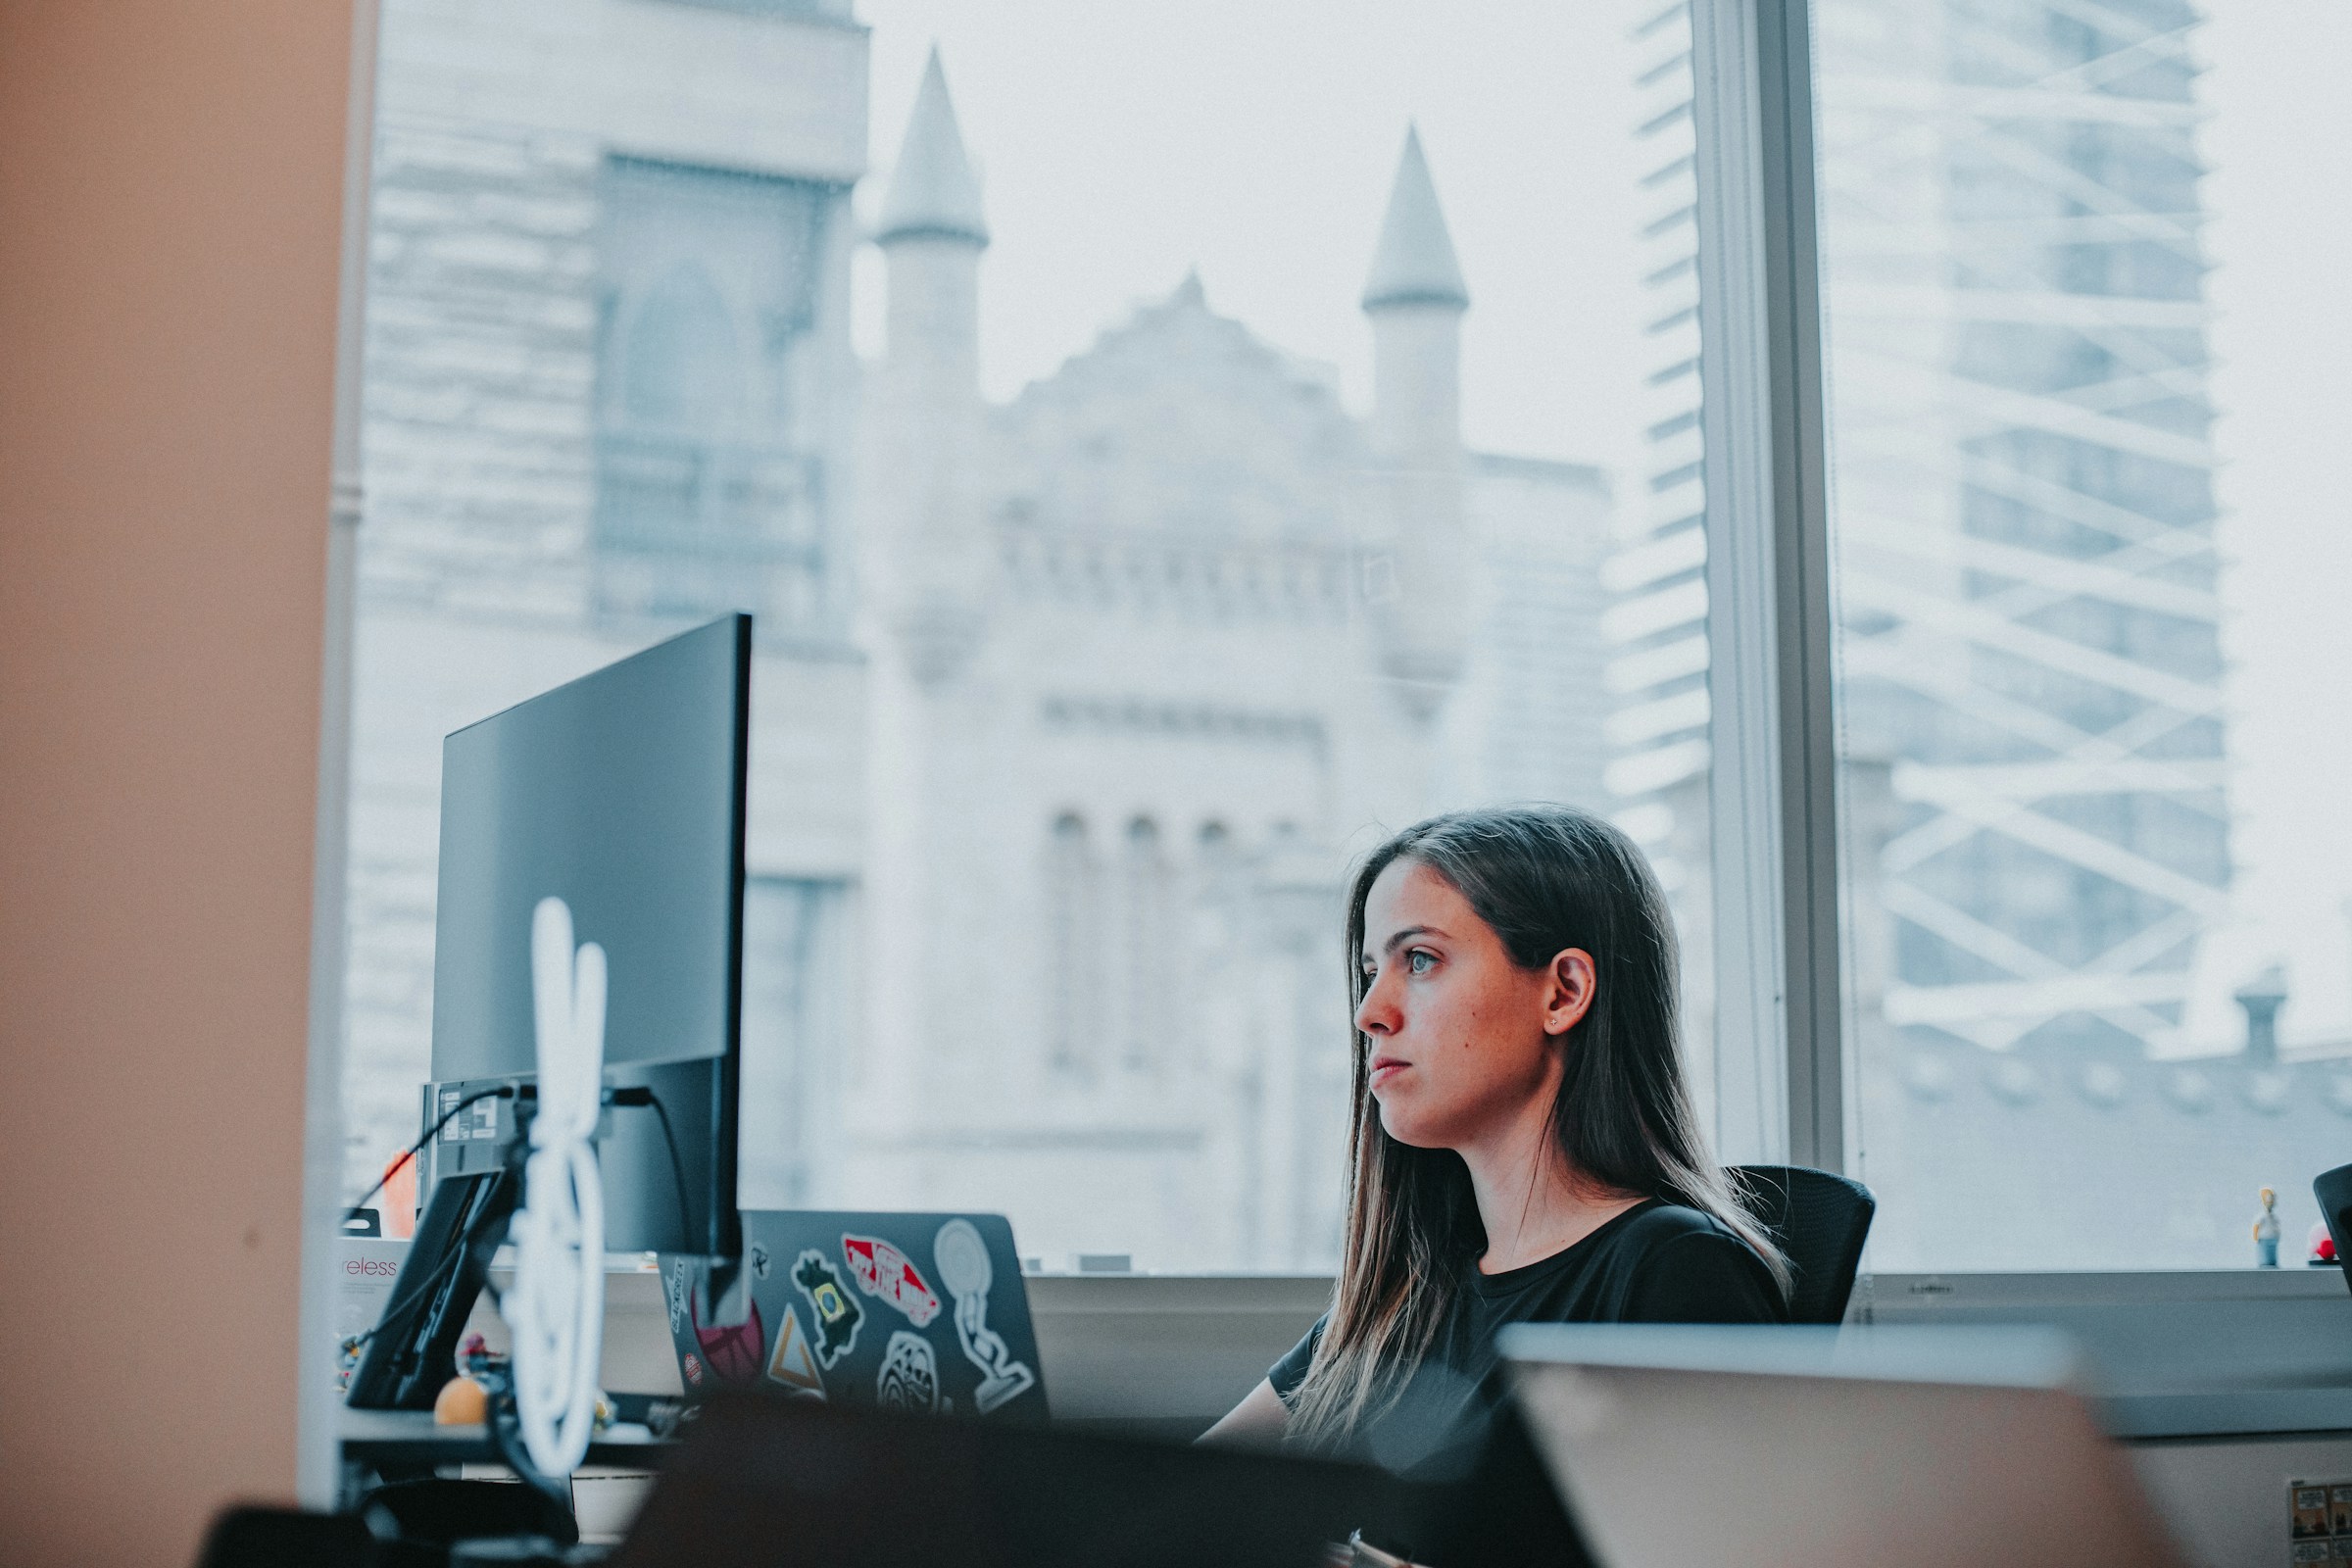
933, 191
930, 564
932, 232
1415, 261
1415, 298
927, 580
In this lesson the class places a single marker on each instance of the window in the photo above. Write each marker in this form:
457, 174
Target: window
1288, 440
711, 403
2079, 296
799, 987
1242, 471
1072, 957
1149, 950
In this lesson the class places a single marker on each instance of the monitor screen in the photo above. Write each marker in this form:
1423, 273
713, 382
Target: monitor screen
622, 794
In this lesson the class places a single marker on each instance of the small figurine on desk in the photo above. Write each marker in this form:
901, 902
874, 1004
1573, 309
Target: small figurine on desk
2266, 1232
464, 1400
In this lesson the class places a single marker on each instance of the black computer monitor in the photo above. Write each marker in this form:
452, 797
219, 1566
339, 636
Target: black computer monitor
624, 794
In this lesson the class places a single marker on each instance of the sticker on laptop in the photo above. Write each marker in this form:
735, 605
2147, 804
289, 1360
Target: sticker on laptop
909, 1376
733, 1352
962, 1257
883, 1271
677, 1288
838, 1313
795, 1365
759, 1262
693, 1370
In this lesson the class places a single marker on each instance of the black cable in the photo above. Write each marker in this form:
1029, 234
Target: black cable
505, 1423
633, 1097
644, 1096
426, 1286
503, 1092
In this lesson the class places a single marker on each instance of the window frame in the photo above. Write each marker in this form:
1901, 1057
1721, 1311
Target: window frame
1772, 789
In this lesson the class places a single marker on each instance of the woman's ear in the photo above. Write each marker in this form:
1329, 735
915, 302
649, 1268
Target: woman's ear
1568, 990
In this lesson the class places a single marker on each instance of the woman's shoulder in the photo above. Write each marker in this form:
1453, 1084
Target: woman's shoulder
1683, 1265
1662, 1223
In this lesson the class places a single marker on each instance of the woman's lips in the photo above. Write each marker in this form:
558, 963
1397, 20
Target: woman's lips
1384, 1068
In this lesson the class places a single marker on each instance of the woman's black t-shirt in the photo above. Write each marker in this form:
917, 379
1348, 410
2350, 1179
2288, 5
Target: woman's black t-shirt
1657, 1262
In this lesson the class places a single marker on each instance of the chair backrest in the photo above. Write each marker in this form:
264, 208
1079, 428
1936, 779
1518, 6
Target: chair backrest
287, 1538
2334, 1190
1821, 1222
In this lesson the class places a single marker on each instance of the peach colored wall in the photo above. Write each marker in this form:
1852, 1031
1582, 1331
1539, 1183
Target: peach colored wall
171, 208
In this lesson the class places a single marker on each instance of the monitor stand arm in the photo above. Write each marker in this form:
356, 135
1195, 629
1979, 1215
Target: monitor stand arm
726, 1301
413, 1350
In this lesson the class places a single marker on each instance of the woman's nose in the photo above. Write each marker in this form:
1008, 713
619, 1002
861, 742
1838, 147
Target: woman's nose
1377, 1014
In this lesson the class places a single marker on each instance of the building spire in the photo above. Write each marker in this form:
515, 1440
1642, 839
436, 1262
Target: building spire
933, 193
1415, 261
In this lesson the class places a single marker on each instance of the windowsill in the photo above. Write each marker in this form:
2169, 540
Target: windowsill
2208, 1354
2176, 1356
1907, 1294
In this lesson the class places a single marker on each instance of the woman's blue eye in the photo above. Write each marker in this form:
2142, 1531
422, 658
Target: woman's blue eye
1421, 963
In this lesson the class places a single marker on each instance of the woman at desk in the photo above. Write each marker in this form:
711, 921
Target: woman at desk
1524, 1148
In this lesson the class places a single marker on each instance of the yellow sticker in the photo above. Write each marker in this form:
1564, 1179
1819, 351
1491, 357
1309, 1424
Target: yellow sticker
794, 1364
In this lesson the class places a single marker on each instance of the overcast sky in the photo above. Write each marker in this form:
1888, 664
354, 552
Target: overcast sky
2281, 146
1120, 145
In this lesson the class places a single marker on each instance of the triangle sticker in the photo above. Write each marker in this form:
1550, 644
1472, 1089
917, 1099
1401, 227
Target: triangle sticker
794, 1364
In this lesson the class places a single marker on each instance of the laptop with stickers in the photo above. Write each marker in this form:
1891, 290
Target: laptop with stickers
917, 1312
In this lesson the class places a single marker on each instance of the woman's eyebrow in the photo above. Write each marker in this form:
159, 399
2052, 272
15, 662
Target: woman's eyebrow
1407, 935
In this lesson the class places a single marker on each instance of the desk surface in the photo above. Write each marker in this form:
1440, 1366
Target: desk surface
409, 1437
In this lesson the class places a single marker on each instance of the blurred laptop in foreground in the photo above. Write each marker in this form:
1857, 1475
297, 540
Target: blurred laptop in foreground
764, 1479
1853, 1449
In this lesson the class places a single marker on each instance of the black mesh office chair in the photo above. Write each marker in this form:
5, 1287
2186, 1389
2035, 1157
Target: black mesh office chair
2334, 1190
1821, 1222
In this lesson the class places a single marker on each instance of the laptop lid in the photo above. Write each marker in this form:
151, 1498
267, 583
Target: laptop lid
764, 1479
1840, 1449
921, 1312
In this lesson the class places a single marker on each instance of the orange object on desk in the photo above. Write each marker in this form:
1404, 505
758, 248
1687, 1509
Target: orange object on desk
462, 1402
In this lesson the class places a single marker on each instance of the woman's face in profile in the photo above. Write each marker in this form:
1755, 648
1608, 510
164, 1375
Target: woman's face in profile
1460, 1039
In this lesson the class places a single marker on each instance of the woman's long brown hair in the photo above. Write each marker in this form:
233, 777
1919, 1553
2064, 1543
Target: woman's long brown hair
1545, 878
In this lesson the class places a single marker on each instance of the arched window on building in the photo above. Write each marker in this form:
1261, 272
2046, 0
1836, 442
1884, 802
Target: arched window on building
710, 407
1073, 993
1148, 945
1209, 881
681, 358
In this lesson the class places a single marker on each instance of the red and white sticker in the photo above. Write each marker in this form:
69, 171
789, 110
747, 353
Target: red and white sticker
883, 1271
